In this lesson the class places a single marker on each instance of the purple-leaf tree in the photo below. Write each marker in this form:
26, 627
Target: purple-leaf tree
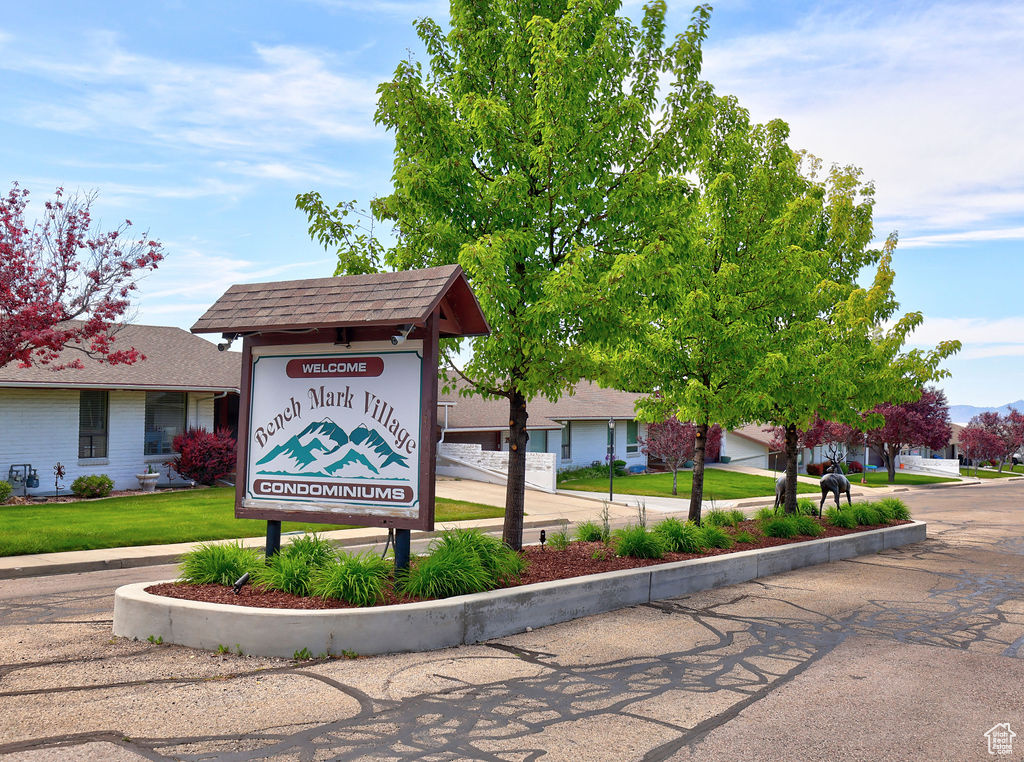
923, 423
674, 442
979, 443
65, 285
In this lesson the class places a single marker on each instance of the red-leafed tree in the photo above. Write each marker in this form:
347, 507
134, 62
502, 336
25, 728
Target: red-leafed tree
64, 284
838, 438
923, 423
978, 442
1007, 429
674, 442
202, 456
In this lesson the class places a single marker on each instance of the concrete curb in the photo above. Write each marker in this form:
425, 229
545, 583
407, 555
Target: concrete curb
469, 618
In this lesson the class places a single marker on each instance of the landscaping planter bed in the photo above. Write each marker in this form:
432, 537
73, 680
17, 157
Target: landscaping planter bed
432, 624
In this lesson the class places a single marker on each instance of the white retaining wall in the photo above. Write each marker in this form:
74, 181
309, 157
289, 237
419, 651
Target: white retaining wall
40, 427
471, 461
944, 466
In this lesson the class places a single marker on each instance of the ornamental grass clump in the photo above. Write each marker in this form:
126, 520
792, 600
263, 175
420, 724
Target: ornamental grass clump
718, 518
286, 573
840, 518
780, 526
867, 515
896, 508
638, 542
715, 537
807, 526
219, 563
765, 514
744, 537
462, 561
588, 531
680, 537
311, 547
559, 540
358, 578
806, 507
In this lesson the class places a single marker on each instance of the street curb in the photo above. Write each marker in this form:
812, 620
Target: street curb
49, 564
467, 619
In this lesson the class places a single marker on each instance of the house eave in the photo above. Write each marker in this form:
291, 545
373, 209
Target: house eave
116, 387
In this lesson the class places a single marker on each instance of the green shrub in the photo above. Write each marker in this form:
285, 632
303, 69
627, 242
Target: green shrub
896, 508
717, 518
312, 548
715, 537
358, 578
738, 516
448, 570
806, 507
588, 531
5, 491
839, 518
867, 515
94, 485
559, 540
502, 564
765, 514
462, 561
287, 573
680, 537
780, 526
638, 542
744, 536
807, 526
219, 563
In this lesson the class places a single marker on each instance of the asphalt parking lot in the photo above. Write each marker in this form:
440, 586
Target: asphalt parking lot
912, 653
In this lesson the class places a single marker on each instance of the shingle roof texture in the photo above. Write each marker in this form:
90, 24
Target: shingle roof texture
174, 359
378, 298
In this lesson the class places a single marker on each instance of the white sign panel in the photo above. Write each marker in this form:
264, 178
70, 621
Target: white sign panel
335, 431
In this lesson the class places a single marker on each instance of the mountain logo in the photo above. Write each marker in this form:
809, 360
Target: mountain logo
324, 448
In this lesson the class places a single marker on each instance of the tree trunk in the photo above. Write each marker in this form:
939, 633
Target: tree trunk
675, 478
516, 484
890, 463
792, 442
697, 488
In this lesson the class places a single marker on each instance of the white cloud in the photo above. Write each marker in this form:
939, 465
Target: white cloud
981, 337
289, 98
968, 236
438, 9
926, 99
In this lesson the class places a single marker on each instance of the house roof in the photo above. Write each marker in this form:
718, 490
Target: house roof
755, 432
588, 402
175, 360
404, 297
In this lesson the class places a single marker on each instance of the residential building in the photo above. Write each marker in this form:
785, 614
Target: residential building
115, 419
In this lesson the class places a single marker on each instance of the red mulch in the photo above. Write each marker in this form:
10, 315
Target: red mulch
545, 564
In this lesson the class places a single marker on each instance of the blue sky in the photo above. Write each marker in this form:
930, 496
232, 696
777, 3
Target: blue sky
201, 121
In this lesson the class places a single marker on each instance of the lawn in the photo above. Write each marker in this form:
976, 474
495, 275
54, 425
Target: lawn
880, 478
205, 514
719, 484
983, 473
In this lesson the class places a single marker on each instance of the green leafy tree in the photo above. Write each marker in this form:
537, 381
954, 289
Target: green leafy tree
539, 134
685, 317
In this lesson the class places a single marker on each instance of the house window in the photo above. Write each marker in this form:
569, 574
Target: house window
632, 437
567, 440
538, 442
165, 419
92, 423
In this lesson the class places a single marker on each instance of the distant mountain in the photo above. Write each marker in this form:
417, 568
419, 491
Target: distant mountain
325, 449
962, 414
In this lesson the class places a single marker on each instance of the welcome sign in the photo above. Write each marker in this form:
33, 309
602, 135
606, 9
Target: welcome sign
336, 430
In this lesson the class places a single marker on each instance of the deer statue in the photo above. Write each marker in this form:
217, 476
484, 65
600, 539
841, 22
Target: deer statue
780, 492
834, 481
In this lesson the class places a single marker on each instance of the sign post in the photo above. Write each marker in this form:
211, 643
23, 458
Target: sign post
338, 409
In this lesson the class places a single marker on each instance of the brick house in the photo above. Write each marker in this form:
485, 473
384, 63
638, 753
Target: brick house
116, 419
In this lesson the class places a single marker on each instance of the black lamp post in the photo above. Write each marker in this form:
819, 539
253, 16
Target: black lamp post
611, 459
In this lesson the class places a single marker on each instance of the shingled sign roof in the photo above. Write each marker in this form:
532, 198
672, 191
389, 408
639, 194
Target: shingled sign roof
404, 297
